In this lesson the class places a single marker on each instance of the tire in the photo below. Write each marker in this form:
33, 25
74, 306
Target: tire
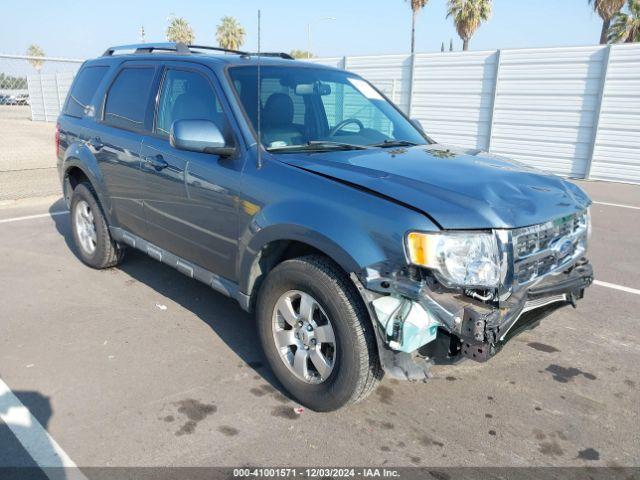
355, 366
95, 246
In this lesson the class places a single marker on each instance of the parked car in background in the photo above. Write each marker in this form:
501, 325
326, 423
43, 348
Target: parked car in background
22, 99
14, 99
6, 100
361, 245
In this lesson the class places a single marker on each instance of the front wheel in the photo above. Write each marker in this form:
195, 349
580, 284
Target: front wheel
316, 333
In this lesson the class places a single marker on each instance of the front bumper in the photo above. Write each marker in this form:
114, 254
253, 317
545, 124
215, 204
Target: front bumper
468, 327
484, 333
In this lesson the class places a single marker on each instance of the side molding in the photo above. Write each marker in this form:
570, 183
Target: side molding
219, 284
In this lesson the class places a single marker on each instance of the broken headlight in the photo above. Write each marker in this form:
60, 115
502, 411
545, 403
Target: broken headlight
462, 259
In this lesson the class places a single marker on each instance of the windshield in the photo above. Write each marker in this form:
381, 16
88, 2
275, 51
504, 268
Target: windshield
319, 109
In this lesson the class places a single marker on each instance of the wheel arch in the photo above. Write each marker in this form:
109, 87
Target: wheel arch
284, 242
77, 170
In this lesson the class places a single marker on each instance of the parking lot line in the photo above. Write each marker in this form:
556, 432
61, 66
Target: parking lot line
617, 205
33, 437
32, 217
617, 287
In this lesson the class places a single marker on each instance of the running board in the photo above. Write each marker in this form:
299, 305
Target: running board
218, 283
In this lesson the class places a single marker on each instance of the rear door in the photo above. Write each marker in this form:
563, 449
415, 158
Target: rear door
190, 198
127, 114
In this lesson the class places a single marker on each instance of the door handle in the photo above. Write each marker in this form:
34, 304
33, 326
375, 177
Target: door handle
157, 162
96, 143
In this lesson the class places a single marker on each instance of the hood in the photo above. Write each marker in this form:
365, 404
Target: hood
458, 189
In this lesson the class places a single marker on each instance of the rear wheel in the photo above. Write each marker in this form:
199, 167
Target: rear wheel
91, 234
316, 333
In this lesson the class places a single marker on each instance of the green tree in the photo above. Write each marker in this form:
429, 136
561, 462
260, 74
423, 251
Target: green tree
180, 31
230, 33
606, 9
10, 82
416, 6
467, 16
300, 54
35, 51
625, 26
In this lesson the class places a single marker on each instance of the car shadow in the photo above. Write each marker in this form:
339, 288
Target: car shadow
223, 315
18, 429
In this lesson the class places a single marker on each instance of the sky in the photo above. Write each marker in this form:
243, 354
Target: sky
83, 29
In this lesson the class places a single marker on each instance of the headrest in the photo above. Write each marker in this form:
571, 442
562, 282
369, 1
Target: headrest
278, 110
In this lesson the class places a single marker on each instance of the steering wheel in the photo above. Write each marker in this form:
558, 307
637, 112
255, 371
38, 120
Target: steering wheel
343, 124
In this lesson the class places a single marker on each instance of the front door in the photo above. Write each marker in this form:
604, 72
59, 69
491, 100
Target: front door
189, 197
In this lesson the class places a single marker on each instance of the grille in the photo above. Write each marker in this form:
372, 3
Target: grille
540, 249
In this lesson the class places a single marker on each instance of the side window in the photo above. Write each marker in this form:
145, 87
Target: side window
187, 95
84, 88
128, 98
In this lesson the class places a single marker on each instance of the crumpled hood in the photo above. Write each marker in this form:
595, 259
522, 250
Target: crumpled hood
459, 189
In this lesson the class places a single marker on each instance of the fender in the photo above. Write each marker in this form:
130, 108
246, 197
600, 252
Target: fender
80, 156
329, 230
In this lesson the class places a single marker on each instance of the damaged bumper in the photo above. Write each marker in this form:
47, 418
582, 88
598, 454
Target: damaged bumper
419, 322
483, 333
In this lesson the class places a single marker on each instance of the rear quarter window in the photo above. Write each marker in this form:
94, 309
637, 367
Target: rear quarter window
83, 90
128, 98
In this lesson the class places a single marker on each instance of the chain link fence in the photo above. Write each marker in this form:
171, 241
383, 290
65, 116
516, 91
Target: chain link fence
32, 92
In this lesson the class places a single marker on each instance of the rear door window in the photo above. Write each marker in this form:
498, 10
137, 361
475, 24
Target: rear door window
83, 90
128, 99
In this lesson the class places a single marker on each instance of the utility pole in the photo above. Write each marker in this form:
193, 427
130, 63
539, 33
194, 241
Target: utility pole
142, 39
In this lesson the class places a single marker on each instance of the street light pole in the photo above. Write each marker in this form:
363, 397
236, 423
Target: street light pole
309, 33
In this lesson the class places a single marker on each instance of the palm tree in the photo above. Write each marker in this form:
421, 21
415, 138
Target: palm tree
230, 33
35, 51
300, 54
416, 5
606, 9
180, 31
467, 16
625, 27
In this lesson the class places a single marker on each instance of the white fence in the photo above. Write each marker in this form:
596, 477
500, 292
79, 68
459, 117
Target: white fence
41, 82
47, 93
573, 111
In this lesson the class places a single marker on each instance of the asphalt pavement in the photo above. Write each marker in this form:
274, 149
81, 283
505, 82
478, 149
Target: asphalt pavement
141, 366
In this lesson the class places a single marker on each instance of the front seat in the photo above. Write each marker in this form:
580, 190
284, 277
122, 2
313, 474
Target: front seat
277, 121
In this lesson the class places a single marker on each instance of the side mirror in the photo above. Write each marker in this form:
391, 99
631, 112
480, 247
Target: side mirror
417, 124
202, 136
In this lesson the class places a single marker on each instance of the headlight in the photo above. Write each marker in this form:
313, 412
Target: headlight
465, 259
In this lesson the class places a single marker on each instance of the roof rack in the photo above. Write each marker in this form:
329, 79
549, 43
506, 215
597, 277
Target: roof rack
183, 49
180, 48
217, 49
286, 56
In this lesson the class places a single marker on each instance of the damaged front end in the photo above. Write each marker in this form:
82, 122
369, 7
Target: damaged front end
425, 313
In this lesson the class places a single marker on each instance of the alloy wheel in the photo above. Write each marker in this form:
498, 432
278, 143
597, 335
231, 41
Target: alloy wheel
304, 336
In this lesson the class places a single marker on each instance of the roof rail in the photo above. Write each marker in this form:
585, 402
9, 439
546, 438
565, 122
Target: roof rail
149, 47
286, 56
217, 49
182, 49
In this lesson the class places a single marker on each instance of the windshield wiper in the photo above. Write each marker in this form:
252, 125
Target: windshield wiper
393, 143
318, 145
346, 146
